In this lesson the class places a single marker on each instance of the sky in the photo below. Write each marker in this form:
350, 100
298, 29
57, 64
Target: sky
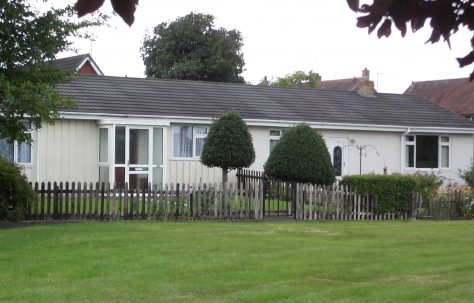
281, 37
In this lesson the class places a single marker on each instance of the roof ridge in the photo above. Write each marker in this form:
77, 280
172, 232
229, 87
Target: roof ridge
440, 80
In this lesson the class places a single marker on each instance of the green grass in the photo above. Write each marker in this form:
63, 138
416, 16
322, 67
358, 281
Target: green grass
238, 262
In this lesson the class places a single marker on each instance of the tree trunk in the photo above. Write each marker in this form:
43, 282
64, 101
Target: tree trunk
224, 177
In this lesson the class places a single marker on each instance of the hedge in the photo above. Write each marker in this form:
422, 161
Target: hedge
394, 193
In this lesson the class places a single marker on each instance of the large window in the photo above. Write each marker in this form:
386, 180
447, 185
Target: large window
18, 152
188, 141
427, 151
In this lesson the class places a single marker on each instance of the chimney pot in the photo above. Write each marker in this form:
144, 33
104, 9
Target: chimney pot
365, 74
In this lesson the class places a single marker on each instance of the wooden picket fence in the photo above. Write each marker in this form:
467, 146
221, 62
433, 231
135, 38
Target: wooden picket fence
321, 203
105, 201
249, 201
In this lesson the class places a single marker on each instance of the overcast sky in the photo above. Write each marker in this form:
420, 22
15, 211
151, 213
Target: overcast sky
281, 37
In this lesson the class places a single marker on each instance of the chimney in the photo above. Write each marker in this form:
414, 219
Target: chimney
365, 74
366, 88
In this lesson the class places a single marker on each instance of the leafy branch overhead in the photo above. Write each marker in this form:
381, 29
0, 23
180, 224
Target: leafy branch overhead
124, 8
445, 18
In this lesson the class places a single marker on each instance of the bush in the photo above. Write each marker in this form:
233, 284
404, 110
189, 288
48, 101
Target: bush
301, 155
468, 175
16, 194
427, 184
393, 192
228, 144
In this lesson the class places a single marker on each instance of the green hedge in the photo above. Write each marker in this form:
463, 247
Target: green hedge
393, 192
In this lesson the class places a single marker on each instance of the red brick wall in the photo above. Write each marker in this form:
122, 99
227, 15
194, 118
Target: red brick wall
87, 69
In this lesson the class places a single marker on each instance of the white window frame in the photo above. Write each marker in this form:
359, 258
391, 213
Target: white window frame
440, 145
195, 136
16, 144
440, 148
108, 163
198, 136
274, 137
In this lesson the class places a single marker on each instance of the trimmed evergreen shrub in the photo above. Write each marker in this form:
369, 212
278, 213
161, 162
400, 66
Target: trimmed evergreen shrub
228, 144
394, 193
301, 155
16, 194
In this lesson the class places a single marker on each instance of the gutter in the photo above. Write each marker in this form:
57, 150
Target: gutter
402, 157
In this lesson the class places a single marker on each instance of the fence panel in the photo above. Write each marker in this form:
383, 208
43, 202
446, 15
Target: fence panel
251, 200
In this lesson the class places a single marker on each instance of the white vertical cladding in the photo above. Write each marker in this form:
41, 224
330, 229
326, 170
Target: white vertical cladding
460, 157
385, 153
382, 149
261, 144
186, 170
69, 151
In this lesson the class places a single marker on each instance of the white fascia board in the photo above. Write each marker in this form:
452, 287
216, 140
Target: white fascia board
442, 130
167, 120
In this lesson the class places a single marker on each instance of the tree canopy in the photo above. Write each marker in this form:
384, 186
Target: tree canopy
228, 144
445, 18
297, 79
191, 48
301, 155
28, 40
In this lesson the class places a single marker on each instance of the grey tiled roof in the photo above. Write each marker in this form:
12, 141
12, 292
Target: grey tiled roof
69, 63
138, 96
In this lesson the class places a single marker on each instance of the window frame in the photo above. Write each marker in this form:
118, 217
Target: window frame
17, 144
441, 144
106, 164
195, 136
273, 137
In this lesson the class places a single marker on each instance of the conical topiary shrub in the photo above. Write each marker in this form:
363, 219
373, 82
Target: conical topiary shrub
228, 144
301, 155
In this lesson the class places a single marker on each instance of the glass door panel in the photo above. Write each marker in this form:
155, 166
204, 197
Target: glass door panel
138, 147
137, 181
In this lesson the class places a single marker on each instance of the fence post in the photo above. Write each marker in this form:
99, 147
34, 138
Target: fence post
176, 215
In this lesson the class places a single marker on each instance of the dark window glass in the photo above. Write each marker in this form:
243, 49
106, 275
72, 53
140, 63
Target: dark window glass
138, 149
410, 156
6, 149
273, 142
137, 181
427, 151
337, 160
120, 145
120, 176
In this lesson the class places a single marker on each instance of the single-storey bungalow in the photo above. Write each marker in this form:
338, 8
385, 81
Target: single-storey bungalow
134, 129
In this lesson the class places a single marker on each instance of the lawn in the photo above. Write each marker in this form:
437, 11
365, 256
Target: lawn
238, 262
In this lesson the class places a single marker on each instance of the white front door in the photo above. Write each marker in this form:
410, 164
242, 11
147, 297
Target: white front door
138, 154
338, 152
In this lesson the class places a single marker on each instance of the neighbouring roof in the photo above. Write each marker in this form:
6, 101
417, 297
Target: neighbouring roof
456, 95
74, 63
350, 84
178, 98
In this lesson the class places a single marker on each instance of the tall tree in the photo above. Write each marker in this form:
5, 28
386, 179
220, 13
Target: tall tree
191, 48
28, 40
228, 144
446, 17
297, 79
